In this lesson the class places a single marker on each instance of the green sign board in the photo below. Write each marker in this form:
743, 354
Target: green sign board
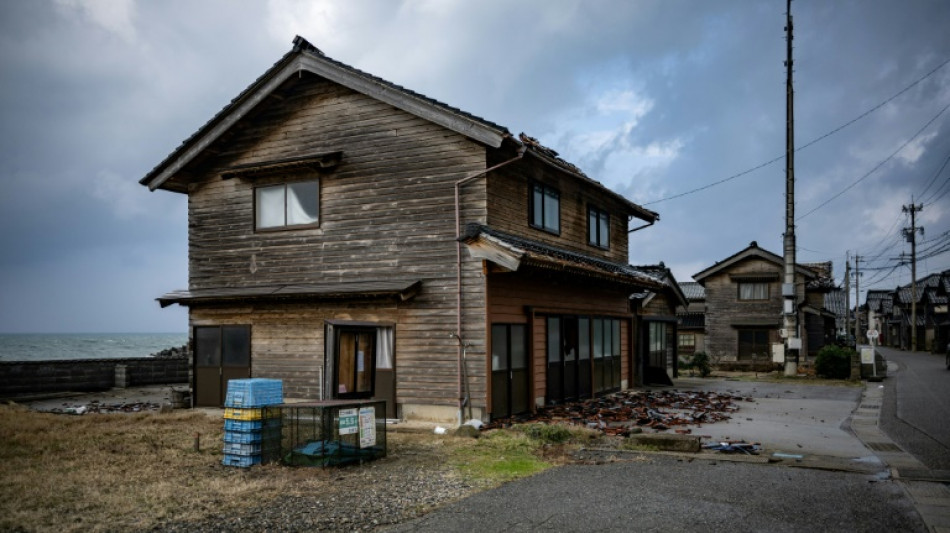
349, 421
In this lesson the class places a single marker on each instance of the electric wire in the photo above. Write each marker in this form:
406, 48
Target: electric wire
806, 145
878, 166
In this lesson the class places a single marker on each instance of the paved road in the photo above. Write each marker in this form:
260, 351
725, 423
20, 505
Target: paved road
661, 493
916, 410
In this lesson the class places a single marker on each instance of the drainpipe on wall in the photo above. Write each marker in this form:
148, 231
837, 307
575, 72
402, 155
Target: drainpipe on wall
458, 273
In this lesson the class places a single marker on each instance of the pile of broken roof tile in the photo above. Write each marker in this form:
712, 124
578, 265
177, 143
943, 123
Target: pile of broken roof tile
622, 412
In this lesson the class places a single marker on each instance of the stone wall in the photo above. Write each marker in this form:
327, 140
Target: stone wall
19, 378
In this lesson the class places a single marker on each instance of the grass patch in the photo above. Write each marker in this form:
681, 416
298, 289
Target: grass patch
500, 456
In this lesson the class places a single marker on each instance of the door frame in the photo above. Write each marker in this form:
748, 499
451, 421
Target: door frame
225, 372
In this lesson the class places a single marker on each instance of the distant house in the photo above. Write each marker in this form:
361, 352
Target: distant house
691, 320
894, 310
359, 240
656, 310
744, 306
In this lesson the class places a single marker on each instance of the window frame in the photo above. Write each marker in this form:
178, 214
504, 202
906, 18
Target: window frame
741, 284
596, 217
285, 185
545, 191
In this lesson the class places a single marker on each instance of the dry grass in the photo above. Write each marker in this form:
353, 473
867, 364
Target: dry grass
119, 472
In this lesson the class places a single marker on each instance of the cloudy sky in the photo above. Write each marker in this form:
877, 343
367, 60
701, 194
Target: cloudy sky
679, 105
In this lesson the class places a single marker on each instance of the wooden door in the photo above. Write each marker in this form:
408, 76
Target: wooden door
222, 353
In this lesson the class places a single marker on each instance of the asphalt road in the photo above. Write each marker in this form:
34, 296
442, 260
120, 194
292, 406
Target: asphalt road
651, 492
661, 493
916, 410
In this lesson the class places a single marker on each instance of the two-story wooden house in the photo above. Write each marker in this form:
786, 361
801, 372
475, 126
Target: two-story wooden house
359, 240
744, 305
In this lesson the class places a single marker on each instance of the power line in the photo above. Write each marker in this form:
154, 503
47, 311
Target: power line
806, 145
878, 166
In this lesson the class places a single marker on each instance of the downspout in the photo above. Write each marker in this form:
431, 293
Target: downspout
458, 272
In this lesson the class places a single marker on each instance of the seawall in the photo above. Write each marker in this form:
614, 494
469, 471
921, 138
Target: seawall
20, 378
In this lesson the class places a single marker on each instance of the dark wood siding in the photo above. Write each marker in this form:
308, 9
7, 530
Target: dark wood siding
386, 212
530, 296
508, 201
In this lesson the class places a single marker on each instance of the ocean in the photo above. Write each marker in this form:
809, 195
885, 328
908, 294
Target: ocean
45, 346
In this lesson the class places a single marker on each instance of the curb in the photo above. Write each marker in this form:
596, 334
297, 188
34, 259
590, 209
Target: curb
926, 488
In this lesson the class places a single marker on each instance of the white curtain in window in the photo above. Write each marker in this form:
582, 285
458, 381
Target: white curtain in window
753, 291
302, 203
270, 207
384, 348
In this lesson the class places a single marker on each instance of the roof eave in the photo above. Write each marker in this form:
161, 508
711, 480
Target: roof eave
306, 58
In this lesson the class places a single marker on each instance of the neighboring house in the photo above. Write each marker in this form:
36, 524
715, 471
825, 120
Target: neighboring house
359, 240
879, 306
896, 308
691, 320
744, 307
656, 310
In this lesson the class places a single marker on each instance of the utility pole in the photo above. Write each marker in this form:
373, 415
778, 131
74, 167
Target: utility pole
847, 296
911, 235
857, 299
790, 316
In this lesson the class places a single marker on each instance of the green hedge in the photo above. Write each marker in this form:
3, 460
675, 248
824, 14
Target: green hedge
834, 362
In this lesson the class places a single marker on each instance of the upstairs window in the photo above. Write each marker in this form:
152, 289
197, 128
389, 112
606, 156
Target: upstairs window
598, 227
545, 208
753, 291
287, 205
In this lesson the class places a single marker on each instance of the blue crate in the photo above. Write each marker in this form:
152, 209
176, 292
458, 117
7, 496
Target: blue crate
253, 448
254, 392
249, 437
251, 425
243, 461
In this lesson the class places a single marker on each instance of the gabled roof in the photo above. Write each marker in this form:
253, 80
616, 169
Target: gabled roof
513, 252
666, 276
304, 57
752, 251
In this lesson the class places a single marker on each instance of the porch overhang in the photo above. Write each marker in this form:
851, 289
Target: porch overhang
514, 253
371, 290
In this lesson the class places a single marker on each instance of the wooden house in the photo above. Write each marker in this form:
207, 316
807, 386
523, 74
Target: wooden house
744, 306
359, 240
691, 320
657, 324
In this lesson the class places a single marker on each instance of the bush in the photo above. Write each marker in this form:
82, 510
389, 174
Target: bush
547, 433
834, 362
700, 362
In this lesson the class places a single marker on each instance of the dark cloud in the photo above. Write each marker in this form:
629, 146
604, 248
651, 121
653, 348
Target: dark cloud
653, 98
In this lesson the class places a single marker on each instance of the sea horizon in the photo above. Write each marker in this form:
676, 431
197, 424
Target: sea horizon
85, 345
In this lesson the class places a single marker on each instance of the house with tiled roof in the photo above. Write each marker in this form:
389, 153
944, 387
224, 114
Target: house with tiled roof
691, 320
657, 326
359, 240
744, 306
932, 319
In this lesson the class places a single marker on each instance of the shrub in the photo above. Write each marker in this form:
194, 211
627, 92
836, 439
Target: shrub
834, 362
547, 433
700, 362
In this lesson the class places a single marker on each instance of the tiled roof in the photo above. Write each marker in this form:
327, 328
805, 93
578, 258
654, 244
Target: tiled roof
302, 45
834, 302
691, 320
693, 290
535, 250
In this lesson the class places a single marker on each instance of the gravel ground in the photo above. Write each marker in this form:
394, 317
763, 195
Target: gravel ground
385, 492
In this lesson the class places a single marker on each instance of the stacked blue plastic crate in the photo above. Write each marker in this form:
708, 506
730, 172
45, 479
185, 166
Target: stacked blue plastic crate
252, 425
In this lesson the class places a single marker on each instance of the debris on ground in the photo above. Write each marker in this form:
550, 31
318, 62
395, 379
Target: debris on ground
737, 447
624, 413
105, 408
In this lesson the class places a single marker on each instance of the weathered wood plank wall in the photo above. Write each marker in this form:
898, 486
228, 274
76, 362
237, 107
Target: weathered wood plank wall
386, 213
